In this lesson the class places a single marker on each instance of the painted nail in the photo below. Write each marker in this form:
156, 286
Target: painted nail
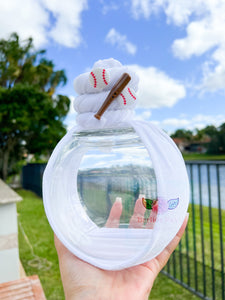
119, 200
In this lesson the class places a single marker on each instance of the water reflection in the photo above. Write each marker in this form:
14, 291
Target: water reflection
99, 187
208, 184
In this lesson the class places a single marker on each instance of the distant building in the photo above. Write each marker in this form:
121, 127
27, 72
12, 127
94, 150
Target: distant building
181, 143
192, 147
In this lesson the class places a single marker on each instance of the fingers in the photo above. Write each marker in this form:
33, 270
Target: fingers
137, 218
173, 244
152, 218
115, 213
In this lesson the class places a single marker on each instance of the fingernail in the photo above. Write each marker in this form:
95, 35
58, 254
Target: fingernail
119, 200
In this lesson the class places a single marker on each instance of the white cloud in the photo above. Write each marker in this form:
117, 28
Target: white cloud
66, 30
205, 23
198, 121
33, 18
176, 122
157, 89
179, 12
214, 72
117, 39
205, 33
72, 99
208, 119
29, 19
109, 6
70, 120
145, 115
144, 8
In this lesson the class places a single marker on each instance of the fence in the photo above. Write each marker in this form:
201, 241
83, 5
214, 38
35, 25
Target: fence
32, 177
198, 262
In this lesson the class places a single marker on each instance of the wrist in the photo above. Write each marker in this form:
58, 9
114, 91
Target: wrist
84, 293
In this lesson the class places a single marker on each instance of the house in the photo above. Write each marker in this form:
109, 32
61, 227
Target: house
181, 143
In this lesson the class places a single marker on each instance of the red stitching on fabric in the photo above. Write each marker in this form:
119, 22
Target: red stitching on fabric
124, 99
95, 80
103, 76
131, 94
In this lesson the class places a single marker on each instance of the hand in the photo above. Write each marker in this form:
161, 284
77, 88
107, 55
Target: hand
84, 281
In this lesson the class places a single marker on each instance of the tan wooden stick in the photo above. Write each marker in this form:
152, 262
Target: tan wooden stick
115, 92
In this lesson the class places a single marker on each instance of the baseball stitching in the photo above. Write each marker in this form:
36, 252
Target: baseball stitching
94, 78
103, 76
131, 94
124, 99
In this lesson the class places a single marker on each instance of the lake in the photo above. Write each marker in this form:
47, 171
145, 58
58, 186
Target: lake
207, 179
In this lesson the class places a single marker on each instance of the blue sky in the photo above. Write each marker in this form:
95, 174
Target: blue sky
176, 47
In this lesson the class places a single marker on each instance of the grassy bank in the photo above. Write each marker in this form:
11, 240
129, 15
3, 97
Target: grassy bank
36, 244
194, 231
188, 263
38, 254
198, 156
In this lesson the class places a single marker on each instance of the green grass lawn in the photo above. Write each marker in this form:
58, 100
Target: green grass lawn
206, 237
38, 254
199, 156
194, 231
39, 235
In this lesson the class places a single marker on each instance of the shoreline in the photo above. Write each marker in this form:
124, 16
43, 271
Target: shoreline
203, 157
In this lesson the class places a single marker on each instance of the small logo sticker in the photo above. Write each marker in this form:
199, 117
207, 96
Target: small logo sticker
172, 203
149, 203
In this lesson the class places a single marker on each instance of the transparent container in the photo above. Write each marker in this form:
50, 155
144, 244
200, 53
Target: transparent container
100, 196
115, 165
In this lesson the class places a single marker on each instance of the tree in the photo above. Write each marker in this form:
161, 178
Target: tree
31, 115
210, 130
199, 135
217, 143
187, 135
19, 63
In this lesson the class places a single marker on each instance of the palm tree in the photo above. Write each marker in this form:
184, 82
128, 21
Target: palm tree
26, 79
20, 63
